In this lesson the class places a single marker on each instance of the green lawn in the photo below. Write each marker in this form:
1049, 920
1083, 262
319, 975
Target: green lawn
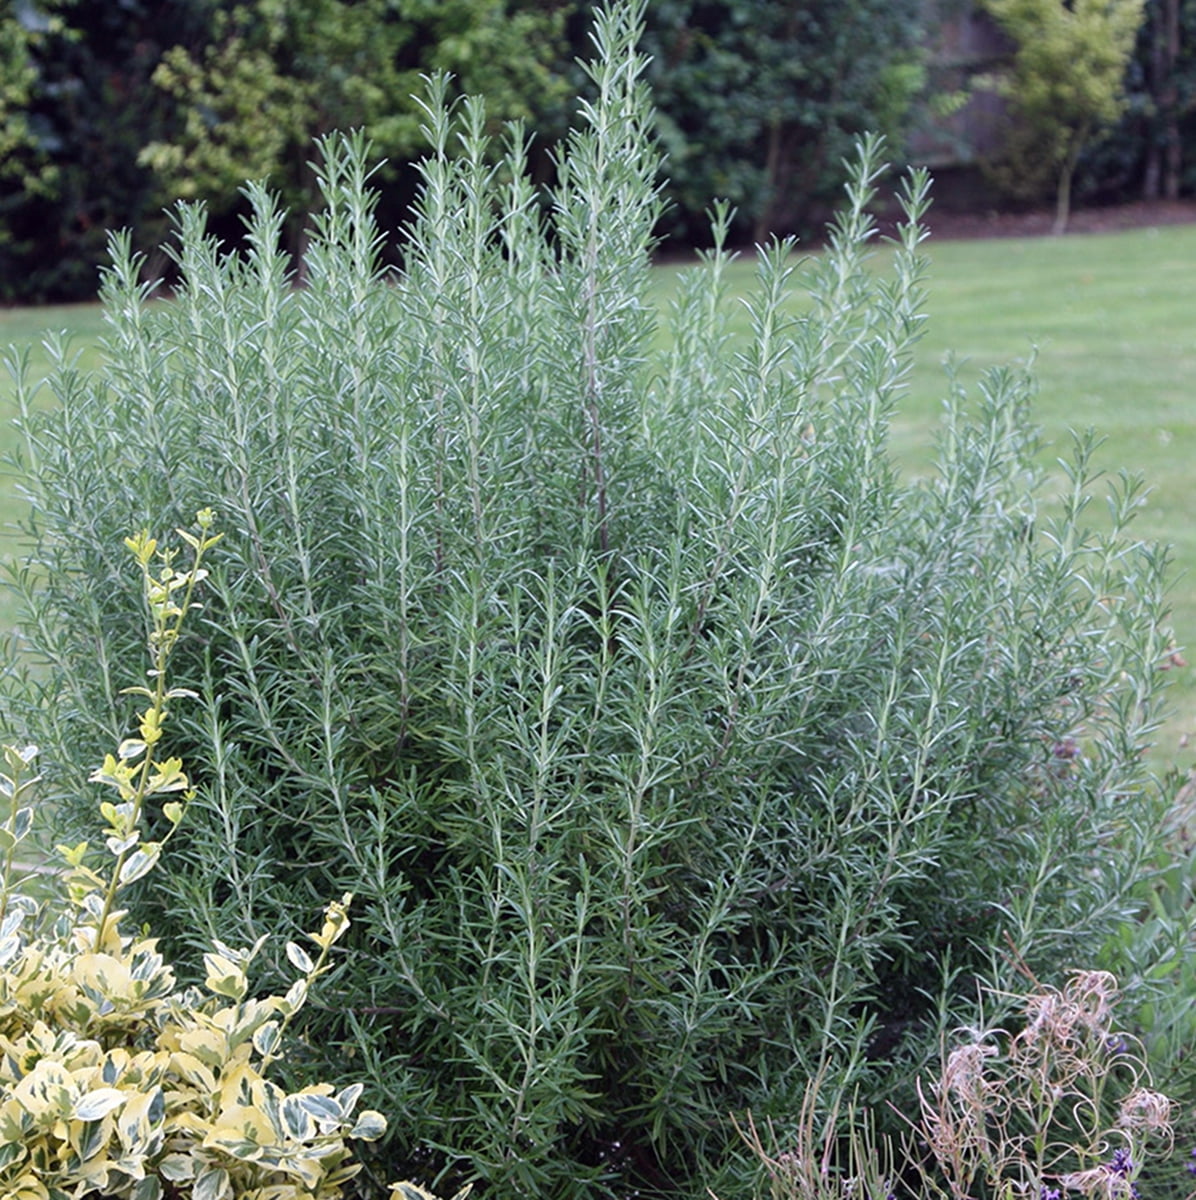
28, 326
1114, 320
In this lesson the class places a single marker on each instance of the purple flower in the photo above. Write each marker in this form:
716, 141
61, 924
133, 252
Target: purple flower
1046, 1193
1121, 1166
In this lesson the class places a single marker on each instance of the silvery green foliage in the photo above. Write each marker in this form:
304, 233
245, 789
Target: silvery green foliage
676, 750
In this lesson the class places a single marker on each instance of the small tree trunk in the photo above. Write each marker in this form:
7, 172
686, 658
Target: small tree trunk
1067, 171
763, 225
1153, 171
1063, 198
1169, 100
1173, 176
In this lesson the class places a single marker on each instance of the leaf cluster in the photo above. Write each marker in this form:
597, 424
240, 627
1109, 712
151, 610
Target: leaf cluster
1070, 63
267, 80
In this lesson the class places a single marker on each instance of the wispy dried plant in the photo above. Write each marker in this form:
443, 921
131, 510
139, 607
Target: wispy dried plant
833, 1152
1062, 1104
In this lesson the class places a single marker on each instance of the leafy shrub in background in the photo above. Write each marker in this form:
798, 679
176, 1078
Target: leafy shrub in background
112, 1082
760, 101
676, 751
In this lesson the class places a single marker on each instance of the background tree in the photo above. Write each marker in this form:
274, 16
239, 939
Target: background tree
26, 169
1172, 88
109, 112
759, 101
1145, 154
271, 78
1065, 83
77, 105
22, 157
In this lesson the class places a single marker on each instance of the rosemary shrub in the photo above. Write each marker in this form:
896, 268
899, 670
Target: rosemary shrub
675, 749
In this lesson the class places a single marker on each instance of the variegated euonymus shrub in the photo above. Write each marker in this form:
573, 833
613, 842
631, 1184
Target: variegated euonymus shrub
675, 749
113, 1081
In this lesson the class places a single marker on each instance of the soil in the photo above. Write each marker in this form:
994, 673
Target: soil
1141, 214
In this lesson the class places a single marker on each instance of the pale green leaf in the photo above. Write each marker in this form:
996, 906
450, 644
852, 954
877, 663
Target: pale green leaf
405, 1190
369, 1126
139, 863
266, 1039
300, 959
224, 978
212, 1184
323, 1108
296, 1121
348, 1097
92, 1139
23, 823
307, 1169
296, 996
118, 846
177, 1168
130, 749
98, 1104
17, 758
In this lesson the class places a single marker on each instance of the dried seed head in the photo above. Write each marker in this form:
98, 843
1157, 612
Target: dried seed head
1145, 1110
1045, 1019
1081, 1012
1093, 993
963, 1075
1099, 1183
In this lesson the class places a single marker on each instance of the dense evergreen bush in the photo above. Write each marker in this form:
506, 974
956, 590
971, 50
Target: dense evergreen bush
676, 750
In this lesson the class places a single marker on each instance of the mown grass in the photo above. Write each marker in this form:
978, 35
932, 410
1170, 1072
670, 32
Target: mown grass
1111, 316
28, 330
1111, 322
29, 327
1114, 320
